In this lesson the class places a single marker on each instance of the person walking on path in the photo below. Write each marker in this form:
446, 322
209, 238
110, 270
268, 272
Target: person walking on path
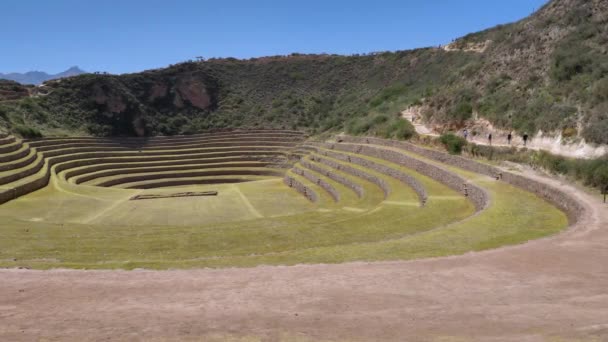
465, 133
490, 139
509, 138
525, 139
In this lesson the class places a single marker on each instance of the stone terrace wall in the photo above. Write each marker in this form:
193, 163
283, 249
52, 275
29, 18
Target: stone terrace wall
176, 142
562, 200
5, 140
301, 188
11, 147
131, 153
161, 139
476, 194
177, 147
95, 165
178, 167
14, 156
317, 180
19, 164
211, 173
66, 162
177, 182
10, 193
403, 177
34, 168
358, 189
353, 171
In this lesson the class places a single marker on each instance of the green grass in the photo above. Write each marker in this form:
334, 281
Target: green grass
263, 222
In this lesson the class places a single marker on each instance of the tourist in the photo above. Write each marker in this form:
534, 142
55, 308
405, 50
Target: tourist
525, 139
465, 133
509, 138
490, 139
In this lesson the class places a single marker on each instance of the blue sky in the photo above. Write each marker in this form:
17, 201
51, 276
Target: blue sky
133, 35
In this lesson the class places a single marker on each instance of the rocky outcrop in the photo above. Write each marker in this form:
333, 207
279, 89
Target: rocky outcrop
194, 91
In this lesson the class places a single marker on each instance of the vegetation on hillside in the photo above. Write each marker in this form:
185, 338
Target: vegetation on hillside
591, 172
547, 72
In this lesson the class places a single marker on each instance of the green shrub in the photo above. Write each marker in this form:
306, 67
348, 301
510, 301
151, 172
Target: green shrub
402, 129
388, 94
462, 111
27, 132
599, 178
569, 132
592, 173
453, 143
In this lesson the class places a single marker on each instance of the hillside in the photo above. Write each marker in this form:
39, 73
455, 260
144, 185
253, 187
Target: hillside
39, 77
10, 90
548, 71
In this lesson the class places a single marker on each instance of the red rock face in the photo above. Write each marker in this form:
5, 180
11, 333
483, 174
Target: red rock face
157, 91
139, 127
13, 91
194, 91
112, 102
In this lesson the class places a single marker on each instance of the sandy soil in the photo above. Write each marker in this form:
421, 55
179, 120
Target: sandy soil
554, 289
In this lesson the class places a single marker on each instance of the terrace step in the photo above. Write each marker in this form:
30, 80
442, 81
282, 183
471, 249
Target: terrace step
88, 159
87, 166
354, 158
87, 177
165, 183
18, 154
438, 172
335, 176
20, 162
14, 175
180, 147
319, 180
10, 147
114, 181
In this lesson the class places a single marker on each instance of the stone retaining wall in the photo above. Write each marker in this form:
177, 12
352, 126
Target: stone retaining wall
11, 147
96, 165
163, 139
176, 182
81, 159
19, 164
132, 179
176, 146
5, 140
317, 180
131, 153
35, 167
355, 172
358, 189
282, 139
403, 177
293, 183
10, 193
14, 156
476, 194
117, 172
562, 200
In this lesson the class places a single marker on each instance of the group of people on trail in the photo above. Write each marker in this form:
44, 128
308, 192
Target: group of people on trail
465, 134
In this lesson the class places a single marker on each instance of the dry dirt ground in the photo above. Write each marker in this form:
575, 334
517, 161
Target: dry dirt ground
554, 289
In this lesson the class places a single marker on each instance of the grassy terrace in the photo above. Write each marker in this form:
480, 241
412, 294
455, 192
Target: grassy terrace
261, 221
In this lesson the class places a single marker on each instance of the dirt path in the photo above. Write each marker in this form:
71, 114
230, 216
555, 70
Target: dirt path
554, 289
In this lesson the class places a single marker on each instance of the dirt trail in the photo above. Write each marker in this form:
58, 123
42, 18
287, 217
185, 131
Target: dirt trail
553, 289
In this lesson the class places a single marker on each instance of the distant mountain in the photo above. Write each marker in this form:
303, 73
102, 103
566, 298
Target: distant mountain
38, 77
